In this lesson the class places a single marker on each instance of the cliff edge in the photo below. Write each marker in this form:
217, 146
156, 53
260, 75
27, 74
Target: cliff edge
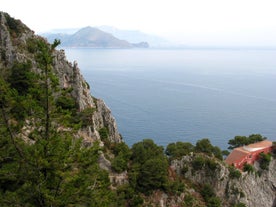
16, 41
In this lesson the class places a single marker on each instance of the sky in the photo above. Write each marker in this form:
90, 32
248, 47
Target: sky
189, 22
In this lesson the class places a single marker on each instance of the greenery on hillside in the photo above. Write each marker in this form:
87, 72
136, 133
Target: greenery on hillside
42, 163
46, 167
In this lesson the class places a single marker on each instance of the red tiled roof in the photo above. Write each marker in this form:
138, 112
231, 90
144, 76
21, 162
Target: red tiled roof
265, 143
236, 155
239, 153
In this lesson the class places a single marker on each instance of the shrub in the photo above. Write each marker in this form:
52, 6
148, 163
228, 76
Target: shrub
234, 173
264, 161
104, 133
209, 196
178, 149
239, 205
176, 187
248, 168
198, 163
85, 116
119, 164
66, 102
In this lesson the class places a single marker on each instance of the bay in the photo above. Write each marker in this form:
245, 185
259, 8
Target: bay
184, 95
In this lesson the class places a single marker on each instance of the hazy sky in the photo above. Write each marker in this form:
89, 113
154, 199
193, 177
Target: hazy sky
191, 22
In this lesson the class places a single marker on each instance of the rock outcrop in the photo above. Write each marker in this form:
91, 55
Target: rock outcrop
14, 39
252, 189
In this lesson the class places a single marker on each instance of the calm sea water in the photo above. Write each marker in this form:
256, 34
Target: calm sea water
184, 95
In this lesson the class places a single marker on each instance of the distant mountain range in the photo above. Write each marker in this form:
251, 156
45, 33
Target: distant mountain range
92, 37
137, 36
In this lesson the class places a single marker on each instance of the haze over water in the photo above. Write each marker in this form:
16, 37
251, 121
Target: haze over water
184, 95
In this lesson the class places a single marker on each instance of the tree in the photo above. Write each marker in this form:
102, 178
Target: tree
153, 175
209, 196
145, 150
179, 149
122, 155
149, 167
239, 141
205, 146
55, 170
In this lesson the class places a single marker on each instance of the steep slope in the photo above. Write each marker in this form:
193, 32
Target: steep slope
16, 41
37, 169
252, 189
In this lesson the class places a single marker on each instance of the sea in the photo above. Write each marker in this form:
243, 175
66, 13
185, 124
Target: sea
171, 95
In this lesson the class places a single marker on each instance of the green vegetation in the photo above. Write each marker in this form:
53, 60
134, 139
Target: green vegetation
202, 162
264, 161
179, 149
234, 173
205, 146
239, 205
42, 163
209, 196
239, 141
248, 168
55, 170
122, 155
147, 159
15, 26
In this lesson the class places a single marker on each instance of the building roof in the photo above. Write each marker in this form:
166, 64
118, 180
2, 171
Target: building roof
262, 144
236, 154
240, 152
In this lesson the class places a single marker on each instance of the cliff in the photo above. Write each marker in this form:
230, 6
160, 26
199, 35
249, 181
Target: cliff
252, 189
79, 175
15, 47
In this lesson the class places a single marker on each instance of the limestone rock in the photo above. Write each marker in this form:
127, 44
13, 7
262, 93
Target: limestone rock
251, 189
14, 47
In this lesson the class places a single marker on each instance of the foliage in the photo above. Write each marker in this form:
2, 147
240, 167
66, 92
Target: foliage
209, 196
15, 26
178, 149
147, 159
85, 116
264, 161
122, 155
55, 170
189, 200
205, 146
248, 168
198, 163
66, 102
145, 150
153, 175
21, 77
225, 152
208, 164
239, 205
176, 187
103, 133
234, 173
239, 141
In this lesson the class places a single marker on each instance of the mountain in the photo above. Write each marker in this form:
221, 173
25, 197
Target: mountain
60, 146
93, 38
137, 36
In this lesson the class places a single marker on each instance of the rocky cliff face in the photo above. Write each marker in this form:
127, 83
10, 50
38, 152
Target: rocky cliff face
14, 39
252, 189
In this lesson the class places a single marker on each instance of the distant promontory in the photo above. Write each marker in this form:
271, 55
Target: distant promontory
93, 38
